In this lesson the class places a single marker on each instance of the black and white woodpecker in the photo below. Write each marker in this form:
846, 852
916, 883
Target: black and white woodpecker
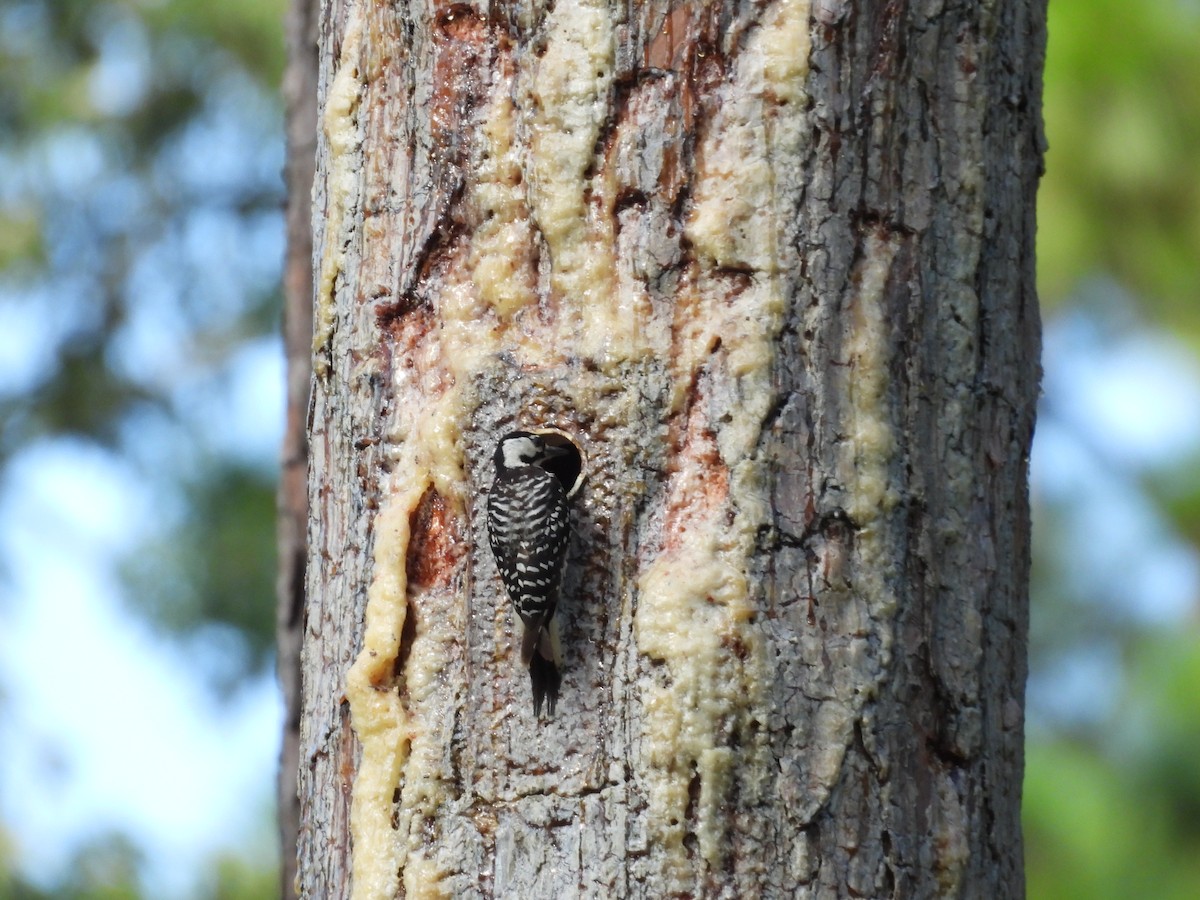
528, 528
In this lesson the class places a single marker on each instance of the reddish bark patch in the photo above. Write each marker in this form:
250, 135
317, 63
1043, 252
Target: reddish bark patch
699, 483
888, 46
435, 546
406, 328
389, 315
669, 49
688, 45
459, 79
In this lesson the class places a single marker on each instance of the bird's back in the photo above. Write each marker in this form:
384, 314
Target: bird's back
528, 527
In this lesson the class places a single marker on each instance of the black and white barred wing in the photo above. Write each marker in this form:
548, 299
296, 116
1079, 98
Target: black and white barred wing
529, 528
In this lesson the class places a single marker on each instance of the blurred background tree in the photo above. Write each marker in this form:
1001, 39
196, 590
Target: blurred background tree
141, 253
141, 239
1112, 793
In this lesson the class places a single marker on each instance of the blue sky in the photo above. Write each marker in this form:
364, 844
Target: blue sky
108, 724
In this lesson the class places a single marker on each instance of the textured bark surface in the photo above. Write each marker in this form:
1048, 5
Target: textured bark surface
772, 264
300, 95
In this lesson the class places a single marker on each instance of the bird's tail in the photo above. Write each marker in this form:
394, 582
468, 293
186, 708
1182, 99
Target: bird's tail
540, 650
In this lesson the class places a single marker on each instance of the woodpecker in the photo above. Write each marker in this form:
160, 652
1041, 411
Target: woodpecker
528, 528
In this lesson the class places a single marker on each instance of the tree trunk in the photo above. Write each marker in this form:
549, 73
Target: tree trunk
300, 95
772, 266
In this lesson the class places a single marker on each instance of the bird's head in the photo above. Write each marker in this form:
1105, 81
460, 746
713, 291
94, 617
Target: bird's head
523, 448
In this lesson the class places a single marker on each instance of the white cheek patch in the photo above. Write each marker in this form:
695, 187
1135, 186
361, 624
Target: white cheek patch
516, 448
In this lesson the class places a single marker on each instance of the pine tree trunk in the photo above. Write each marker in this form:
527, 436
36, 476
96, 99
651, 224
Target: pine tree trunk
300, 95
772, 266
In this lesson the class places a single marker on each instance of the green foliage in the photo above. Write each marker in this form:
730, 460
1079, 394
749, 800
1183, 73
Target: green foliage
105, 869
1176, 488
108, 869
251, 31
238, 881
1120, 193
1122, 819
215, 568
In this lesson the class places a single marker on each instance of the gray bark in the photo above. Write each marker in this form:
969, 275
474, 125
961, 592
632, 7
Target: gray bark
300, 95
773, 266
